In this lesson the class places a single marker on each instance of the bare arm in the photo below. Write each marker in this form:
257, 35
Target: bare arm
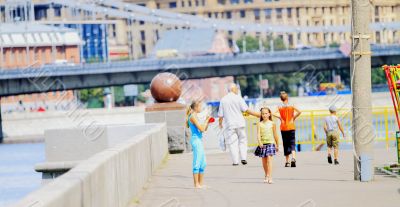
202, 128
259, 135
220, 121
325, 128
253, 113
340, 127
276, 114
298, 112
275, 137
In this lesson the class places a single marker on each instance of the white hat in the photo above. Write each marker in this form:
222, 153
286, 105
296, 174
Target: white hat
332, 108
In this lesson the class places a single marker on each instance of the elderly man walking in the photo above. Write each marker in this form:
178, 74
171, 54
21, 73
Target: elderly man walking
230, 115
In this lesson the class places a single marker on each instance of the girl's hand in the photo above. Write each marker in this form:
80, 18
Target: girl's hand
276, 148
261, 146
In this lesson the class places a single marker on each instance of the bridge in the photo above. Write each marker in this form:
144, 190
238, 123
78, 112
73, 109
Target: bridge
59, 78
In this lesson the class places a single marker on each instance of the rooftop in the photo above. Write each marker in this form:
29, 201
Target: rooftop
34, 34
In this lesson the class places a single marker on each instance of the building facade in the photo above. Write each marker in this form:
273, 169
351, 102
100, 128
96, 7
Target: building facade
283, 12
24, 45
135, 39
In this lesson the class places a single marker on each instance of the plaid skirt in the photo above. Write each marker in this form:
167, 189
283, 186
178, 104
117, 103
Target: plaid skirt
267, 150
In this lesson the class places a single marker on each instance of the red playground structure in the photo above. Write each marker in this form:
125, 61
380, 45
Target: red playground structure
392, 73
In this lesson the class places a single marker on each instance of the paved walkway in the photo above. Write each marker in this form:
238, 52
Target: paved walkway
313, 183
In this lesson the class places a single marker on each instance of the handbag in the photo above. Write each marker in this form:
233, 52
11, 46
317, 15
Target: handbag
257, 152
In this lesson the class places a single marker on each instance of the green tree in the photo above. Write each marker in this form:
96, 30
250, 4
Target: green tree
378, 76
279, 44
119, 95
93, 97
252, 44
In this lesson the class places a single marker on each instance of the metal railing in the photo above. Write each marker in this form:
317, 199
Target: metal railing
192, 62
310, 126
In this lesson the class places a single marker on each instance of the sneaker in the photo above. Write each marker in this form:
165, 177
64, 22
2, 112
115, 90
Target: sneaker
235, 164
244, 162
329, 159
287, 164
336, 162
293, 163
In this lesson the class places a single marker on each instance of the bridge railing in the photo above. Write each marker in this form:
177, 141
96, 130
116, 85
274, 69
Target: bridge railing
157, 63
310, 127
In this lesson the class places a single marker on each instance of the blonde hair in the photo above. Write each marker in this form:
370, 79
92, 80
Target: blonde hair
189, 110
269, 111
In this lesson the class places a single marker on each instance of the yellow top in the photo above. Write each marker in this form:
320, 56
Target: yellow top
266, 132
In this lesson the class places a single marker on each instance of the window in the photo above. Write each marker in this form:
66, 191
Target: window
279, 13
268, 13
289, 13
234, 1
378, 37
143, 47
40, 13
248, 1
376, 11
172, 4
297, 12
57, 11
190, 3
43, 54
183, 3
242, 13
376, 14
228, 15
113, 30
197, 3
222, 2
11, 56
268, 0
257, 14
143, 35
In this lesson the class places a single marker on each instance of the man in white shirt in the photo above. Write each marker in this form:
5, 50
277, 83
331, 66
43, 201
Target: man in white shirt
230, 114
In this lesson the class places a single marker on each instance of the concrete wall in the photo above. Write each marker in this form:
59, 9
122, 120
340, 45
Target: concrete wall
175, 120
112, 177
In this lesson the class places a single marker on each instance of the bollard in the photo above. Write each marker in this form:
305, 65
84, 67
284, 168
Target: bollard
365, 168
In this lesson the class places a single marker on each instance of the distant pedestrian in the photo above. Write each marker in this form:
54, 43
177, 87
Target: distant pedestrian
197, 129
268, 143
288, 113
331, 127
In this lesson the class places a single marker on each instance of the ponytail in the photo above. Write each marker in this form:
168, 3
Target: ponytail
189, 110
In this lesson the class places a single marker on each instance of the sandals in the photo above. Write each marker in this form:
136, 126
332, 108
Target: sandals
268, 180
